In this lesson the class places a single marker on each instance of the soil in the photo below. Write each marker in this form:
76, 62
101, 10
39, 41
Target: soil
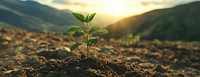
29, 54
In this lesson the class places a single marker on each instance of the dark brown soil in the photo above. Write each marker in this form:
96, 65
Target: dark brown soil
28, 54
81, 66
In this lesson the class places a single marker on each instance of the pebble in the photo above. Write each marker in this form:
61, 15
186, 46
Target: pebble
30, 40
108, 48
7, 38
60, 52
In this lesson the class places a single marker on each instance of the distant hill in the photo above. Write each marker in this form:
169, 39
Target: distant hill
178, 23
33, 16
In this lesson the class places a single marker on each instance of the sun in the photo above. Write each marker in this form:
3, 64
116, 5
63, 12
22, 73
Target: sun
117, 8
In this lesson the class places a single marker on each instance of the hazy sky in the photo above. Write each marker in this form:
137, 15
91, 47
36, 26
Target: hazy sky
117, 8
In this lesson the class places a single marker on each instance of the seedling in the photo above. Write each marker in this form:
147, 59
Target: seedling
91, 33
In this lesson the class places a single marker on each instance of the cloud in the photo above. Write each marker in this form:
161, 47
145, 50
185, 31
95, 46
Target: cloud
150, 3
63, 4
77, 4
164, 2
44, 1
159, 4
60, 1
100, 3
134, 7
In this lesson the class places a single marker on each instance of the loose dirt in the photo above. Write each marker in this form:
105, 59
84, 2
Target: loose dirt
29, 54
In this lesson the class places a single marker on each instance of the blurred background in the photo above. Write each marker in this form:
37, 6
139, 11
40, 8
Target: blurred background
148, 19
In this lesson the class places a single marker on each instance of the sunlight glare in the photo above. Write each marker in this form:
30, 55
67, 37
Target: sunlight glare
117, 8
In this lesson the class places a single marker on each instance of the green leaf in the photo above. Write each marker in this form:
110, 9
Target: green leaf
76, 45
79, 17
90, 17
77, 34
93, 41
75, 29
87, 18
94, 28
99, 32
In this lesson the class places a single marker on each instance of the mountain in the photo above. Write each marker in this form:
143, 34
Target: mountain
34, 16
178, 23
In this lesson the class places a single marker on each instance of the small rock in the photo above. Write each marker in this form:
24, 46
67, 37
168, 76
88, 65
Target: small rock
134, 59
5, 43
63, 52
64, 49
146, 65
95, 48
30, 40
57, 39
7, 38
10, 71
58, 53
107, 48
20, 48
3, 30
43, 42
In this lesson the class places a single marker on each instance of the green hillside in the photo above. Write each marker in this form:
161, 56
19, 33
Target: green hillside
178, 23
33, 16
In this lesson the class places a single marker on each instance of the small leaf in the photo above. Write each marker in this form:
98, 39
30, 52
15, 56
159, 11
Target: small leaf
94, 28
75, 29
77, 34
99, 32
76, 45
93, 41
79, 17
90, 17
87, 18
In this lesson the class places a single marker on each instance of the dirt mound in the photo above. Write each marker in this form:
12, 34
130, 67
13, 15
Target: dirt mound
79, 66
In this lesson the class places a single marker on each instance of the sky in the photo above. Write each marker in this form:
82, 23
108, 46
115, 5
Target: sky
115, 8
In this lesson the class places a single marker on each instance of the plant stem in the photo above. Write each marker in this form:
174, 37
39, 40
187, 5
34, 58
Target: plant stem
87, 36
87, 49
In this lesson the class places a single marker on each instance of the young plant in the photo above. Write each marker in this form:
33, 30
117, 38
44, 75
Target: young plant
91, 33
